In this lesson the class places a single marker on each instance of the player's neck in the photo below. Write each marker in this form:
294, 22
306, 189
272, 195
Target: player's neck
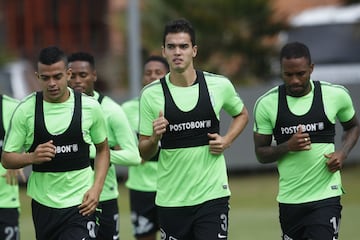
183, 79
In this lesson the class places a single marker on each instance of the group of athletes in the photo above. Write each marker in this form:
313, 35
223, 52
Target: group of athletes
169, 138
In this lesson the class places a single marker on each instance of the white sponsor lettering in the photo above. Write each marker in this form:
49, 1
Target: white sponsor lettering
67, 148
310, 127
190, 125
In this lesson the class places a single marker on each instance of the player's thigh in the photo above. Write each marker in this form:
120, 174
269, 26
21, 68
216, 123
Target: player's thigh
108, 220
144, 216
292, 218
313, 220
176, 222
79, 227
9, 224
211, 221
62, 223
324, 220
208, 220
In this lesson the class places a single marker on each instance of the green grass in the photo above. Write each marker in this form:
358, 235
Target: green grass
253, 214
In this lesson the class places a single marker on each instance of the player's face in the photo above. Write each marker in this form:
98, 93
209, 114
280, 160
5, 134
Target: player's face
153, 70
296, 73
53, 80
179, 51
83, 77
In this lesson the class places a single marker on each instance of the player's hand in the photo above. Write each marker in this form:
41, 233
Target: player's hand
299, 141
217, 143
335, 161
159, 126
44, 152
89, 202
12, 176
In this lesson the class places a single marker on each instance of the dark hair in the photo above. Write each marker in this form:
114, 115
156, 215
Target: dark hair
51, 55
82, 56
158, 59
179, 26
295, 50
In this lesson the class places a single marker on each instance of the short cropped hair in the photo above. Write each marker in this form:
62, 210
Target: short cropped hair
158, 59
295, 50
51, 55
82, 56
179, 26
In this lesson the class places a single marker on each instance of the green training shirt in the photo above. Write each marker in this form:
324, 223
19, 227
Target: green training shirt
189, 176
303, 175
144, 176
9, 194
56, 189
119, 133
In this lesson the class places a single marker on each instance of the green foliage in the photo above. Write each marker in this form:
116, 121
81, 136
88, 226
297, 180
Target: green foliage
228, 32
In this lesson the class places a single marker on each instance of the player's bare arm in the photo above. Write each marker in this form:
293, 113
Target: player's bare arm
148, 145
349, 139
268, 153
218, 144
102, 162
44, 152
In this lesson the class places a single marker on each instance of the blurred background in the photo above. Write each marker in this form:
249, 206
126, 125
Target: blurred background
237, 38
240, 39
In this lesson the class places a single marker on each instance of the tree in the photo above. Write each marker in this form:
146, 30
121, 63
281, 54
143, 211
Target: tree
232, 35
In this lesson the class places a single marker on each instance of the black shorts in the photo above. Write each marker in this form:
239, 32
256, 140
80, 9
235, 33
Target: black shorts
144, 216
205, 221
108, 218
9, 223
316, 220
62, 223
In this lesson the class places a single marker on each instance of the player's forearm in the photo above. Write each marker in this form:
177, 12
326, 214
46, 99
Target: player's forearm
148, 147
270, 154
237, 125
350, 135
125, 157
101, 166
126, 152
349, 139
13, 160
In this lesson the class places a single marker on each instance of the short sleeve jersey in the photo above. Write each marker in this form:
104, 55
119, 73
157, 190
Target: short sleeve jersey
303, 175
56, 189
144, 176
191, 175
119, 134
9, 194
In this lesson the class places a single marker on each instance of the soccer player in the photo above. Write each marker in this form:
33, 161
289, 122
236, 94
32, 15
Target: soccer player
55, 127
300, 115
121, 138
142, 179
181, 111
9, 188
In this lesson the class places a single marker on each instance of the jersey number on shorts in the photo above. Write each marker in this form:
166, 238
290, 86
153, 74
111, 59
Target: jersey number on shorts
335, 224
11, 232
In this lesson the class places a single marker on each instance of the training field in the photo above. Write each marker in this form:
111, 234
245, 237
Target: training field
253, 213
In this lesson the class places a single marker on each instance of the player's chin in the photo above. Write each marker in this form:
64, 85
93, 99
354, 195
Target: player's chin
297, 91
78, 89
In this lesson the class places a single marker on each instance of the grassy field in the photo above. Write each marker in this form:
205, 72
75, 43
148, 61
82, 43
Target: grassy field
253, 214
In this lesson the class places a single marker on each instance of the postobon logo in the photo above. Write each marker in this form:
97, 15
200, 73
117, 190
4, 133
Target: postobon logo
310, 127
67, 148
190, 125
